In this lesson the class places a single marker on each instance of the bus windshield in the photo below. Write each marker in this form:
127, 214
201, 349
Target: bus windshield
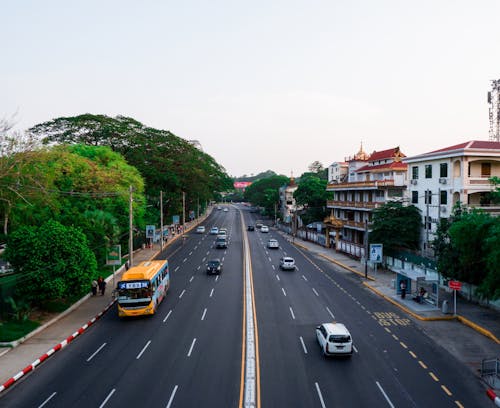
134, 290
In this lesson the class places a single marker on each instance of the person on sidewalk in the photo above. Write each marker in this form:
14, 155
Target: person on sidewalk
102, 285
94, 287
402, 286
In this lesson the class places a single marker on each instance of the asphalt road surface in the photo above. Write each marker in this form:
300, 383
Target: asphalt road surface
191, 353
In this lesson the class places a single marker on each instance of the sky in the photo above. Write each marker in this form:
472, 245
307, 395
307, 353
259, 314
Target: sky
262, 84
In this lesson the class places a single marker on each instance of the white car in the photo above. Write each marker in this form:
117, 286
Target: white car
273, 244
264, 228
214, 231
200, 229
287, 262
225, 210
222, 231
334, 339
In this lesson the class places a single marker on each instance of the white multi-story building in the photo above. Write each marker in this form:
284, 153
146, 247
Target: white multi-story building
441, 178
337, 172
372, 180
287, 201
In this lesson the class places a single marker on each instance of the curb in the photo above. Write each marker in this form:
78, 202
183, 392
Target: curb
58, 347
478, 328
492, 396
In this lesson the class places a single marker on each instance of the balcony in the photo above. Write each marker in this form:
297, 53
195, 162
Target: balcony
364, 205
361, 185
354, 224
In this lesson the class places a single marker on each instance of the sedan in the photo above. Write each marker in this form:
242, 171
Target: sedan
287, 262
200, 229
214, 267
214, 231
273, 244
251, 228
264, 228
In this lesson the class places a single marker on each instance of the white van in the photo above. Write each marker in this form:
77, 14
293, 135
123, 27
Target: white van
334, 339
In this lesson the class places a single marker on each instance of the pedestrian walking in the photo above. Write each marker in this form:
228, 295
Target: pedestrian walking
102, 285
94, 287
402, 286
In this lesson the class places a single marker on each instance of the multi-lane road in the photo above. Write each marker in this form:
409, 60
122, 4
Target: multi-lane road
195, 351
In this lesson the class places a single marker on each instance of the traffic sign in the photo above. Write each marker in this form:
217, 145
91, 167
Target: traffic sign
376, 252
455, 285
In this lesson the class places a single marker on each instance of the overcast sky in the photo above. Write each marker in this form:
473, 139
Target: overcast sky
261, 84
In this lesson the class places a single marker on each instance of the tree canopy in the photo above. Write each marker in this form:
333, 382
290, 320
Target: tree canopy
168, 163
311, 193
396, 226
265, 192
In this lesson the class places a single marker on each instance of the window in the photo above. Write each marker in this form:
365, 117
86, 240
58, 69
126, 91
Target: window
428, 171
443, 170
443, 199
428, 197
414, 173
414, 197
485, 169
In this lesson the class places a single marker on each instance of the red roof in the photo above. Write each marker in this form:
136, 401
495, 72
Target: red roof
386, 154
473, 144
388, 166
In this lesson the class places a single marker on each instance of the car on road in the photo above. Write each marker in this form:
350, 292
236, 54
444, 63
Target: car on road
214, 267
214, 231
222, 231
287, 263
221, 241
225, 210
251, 228
219, 207
273, 244
334, 339
258, 224
264, 228
200, 229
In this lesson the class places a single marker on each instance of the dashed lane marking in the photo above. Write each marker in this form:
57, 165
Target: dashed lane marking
167, 316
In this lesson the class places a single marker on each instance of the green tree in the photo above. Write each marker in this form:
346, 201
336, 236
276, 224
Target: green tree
265, 192
490, 287
311, 193
397, 227
167, 162
50, 262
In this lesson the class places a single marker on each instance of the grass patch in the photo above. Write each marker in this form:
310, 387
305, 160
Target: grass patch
15, 329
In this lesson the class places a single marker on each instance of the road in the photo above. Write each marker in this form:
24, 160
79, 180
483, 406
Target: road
191, 353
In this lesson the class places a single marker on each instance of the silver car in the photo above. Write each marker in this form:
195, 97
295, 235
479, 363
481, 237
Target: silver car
287, 263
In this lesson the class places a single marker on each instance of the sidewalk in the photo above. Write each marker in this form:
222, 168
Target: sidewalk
485, 321
25, 355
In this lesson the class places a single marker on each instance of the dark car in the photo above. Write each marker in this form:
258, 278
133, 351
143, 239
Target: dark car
214, 267
251, 228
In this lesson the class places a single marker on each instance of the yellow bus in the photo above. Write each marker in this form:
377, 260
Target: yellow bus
142, 288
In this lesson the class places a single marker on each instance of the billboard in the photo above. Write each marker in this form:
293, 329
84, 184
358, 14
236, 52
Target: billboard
241, 184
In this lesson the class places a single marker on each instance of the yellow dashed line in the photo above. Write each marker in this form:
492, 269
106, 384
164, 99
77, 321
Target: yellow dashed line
433, 376
446, 390
458, 404
422, 364
403, 345
413, 354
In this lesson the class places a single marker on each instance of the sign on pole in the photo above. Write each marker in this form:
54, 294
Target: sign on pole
455, 285
150, 231
376, 253
176, 219
114, 255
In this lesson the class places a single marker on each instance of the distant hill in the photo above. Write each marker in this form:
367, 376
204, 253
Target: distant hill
264, 174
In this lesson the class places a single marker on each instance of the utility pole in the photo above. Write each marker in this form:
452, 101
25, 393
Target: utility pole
131, 229
366, 247
161, 220
183, 212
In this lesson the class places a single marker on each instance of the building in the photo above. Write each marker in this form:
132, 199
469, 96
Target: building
371, 181
287, 202
443, 177
337, 172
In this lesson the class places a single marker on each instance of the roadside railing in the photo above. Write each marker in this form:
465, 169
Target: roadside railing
490, 372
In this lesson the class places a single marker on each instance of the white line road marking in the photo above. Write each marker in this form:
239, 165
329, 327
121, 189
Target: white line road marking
304, 278
182, 293
297, 268
319, 395
107, 398
303, 344
277, 277
211, 293
204, 313
167, 316
198, 268
48, 399
291, 311
217, 278
143, 350
223, 259
97, 351
176, 269
384, 394
270, 260
191, 253
316, 293
196, 247
283, 290
354, 348
273, 267
190, 280
191, 348
207, 252
204, 259
330, 312
172, 396
184, 260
